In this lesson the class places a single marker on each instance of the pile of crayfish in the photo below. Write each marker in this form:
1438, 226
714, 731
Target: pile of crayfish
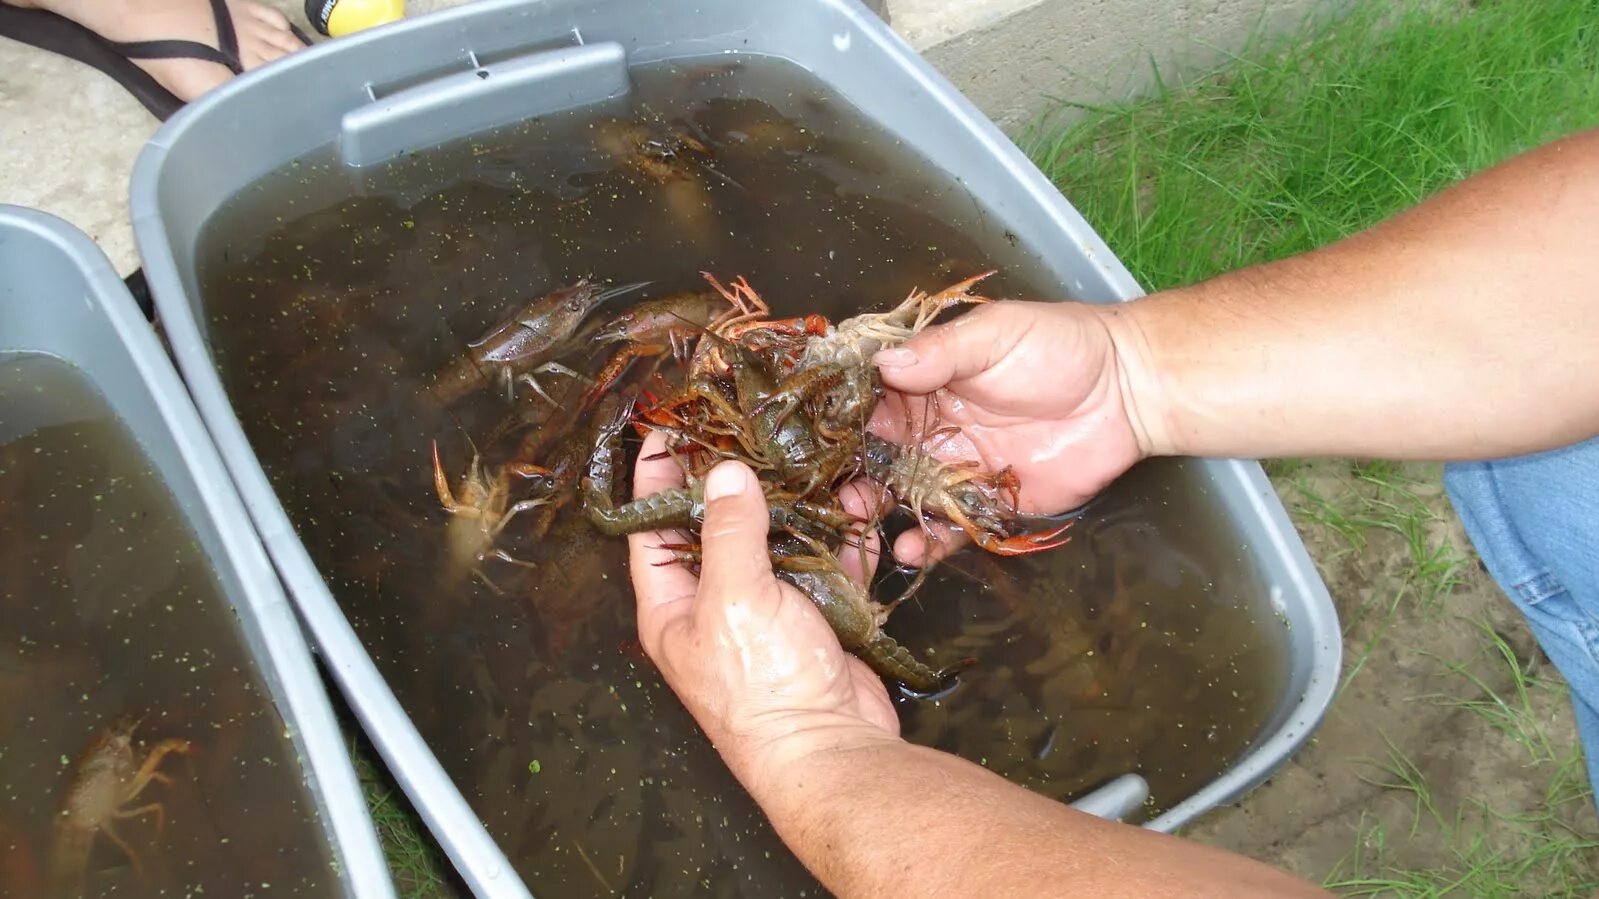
721, 379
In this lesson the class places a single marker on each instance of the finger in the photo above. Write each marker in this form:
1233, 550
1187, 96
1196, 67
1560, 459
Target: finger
903, 418
656, 470
664, 589
929, 544
866, 500
954, 351
735, 566
863, 544
889, 418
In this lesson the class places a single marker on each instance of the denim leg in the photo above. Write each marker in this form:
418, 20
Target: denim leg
1535, 522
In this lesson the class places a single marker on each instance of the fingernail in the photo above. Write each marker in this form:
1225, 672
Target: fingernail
727, 479
898, 357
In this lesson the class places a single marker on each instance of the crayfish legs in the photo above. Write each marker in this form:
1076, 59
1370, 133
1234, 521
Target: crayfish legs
959, 494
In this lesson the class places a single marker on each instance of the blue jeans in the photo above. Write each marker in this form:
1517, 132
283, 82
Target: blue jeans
1535, 522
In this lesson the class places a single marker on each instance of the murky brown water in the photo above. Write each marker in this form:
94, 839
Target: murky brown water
332, 298
108, 609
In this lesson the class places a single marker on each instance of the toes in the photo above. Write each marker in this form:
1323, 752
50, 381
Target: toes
286, 41
268, 16
280, 38
264, 34
261, 44
256, 54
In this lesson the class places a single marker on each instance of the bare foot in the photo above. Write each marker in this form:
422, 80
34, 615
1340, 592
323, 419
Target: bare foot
263, 34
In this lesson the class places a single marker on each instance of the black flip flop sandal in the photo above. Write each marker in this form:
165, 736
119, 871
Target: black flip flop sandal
64, 37
226, 53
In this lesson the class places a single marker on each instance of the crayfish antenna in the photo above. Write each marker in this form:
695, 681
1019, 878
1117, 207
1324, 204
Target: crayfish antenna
956, 667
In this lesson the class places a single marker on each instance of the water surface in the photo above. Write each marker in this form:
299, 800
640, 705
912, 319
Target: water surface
332, 296
108, 608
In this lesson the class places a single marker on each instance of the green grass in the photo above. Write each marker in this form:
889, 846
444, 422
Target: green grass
1388, 608
1489, 853
1391, 502
1509, 711
1370, 503
418, 864
1399, 773
1304, 139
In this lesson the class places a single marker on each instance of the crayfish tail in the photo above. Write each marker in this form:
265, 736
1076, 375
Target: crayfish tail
884, 655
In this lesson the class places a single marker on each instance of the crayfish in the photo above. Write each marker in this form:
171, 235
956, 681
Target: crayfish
723, 379
108, 777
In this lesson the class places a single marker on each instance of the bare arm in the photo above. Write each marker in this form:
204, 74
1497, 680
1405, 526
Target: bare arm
1463, 328
885, 817
810, 732
1467, 327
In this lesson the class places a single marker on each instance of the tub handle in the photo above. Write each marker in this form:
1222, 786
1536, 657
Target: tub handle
1117, 799
484, 96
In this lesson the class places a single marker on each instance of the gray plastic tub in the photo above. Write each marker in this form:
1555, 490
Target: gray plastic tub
426, 80
59, 296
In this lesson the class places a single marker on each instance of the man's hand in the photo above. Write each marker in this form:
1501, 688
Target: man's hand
809, 731
749, 656
1040, 387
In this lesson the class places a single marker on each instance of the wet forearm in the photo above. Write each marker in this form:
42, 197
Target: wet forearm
891, 818
1467, 327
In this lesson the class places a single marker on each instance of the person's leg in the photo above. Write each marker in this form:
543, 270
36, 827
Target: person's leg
1535, 522
263, 34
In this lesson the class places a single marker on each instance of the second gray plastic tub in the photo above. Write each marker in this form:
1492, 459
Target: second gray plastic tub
423, 81
60, 297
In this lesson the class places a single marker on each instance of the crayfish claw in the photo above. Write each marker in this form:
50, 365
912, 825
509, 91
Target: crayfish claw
1023, 544
527, 470
441, 482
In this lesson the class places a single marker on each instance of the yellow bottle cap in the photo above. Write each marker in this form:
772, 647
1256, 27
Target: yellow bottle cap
337, 18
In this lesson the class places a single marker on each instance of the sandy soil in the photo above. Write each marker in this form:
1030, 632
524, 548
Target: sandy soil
1334, 807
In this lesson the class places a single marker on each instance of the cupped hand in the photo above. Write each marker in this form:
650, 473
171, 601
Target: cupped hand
749, 655
1037, 387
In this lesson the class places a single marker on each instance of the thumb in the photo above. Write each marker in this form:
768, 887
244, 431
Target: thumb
734, 559
953, 351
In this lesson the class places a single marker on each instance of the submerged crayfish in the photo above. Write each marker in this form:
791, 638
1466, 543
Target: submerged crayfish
855, 618
671, 161
524, 344
109, 775
480, 514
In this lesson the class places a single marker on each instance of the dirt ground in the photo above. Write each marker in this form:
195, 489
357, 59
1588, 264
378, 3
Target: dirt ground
1449, 762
